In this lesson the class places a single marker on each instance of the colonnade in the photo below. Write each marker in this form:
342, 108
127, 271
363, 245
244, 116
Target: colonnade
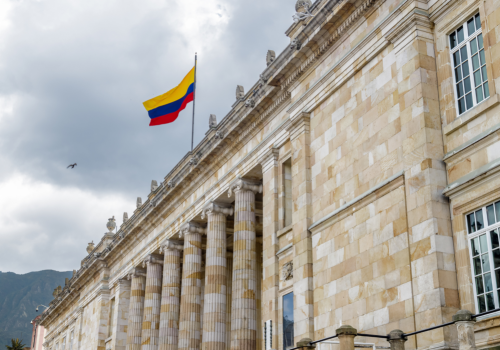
166, 311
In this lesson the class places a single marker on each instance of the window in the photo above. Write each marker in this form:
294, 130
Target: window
71, 340
111, 312
57, 346
63, 344
483, 229
288, 321
287, 192
469, 65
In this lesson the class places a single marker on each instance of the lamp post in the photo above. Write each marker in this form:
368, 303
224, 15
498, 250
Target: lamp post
46, 307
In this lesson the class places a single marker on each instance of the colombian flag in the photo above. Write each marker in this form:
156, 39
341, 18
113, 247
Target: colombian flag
165, 108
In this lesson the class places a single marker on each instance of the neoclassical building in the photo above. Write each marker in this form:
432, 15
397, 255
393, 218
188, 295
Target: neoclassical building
356, 183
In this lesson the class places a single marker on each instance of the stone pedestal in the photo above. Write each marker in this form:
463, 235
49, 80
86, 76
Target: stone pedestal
152, 302
189, 320
214, 314
346, 336
397, 339
244, 289
170, 296
465, 327
136, 308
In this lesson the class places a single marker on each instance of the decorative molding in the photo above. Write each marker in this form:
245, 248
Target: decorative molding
287, 271
299, 125
415, 24
242, 184
192, 227
269, 159
170, 245
217, 207
152, 259
136, 272
473, 179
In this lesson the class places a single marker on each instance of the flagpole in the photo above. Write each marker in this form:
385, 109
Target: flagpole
194, 100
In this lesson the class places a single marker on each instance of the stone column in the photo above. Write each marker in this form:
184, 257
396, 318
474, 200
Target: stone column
244, 303
301, 220
214, 313
465, 327
270, 278
120, 318
229, 284
346, 336
397, 339
170, 296
189, 320
136, 308
152, 302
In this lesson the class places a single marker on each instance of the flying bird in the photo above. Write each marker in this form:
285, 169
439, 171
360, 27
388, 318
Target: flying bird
72, 166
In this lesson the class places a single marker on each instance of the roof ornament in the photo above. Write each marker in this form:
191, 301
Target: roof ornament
212, 121
125, 217
90, 247
139, 202
270, 57
240, 93
111, 225
154, 185
302, 7
295, 44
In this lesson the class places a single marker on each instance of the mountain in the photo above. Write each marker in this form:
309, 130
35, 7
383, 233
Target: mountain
19, 297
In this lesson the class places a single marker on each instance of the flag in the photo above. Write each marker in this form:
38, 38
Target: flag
165, 108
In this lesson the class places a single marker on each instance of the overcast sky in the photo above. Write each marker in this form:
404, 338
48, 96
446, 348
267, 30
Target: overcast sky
73, 76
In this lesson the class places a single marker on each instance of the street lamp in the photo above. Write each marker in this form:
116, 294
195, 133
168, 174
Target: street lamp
46, 307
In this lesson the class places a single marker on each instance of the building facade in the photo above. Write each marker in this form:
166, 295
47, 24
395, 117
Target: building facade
37, 335
356, 183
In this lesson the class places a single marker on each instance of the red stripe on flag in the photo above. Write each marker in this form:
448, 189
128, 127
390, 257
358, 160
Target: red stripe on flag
169, 118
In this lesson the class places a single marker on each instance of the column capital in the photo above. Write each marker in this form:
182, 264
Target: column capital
244, 184
269, 159
192, 227
170, 245
136, 272
217, 207
152, 259
299, 125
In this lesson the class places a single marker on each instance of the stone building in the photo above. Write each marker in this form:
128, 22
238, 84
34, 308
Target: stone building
356, 183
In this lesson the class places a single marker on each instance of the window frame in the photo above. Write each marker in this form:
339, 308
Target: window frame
470, 237
468, 38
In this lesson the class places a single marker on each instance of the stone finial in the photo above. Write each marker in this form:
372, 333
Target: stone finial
215, 207
192, 227
305, 343
66, 281
154, 185
125, 217
270, 57
74, 273
303, 6
90, 247
54, 293
59, 290
170, 245
463, 315
346, 330
139, 202
212, 121
244, 184
111, 225
397, 339
240, 92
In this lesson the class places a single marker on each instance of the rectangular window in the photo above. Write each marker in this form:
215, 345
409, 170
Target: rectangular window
63, 344
288, 321
483, 230
57, 346
287, 189
71, 340
469, 65
111, 313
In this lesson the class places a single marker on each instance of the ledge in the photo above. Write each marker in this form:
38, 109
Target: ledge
472, 141
284, 231
284, 249
355, 200
473, 177
474, 113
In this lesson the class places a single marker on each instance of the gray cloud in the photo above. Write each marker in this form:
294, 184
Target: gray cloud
73, 79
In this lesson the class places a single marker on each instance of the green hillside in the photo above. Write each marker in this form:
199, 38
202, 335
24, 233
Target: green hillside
19, 296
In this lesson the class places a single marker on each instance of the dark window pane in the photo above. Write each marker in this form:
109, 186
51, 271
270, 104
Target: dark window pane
485, 76
473, 46
460, 89
488, 286
470, 26
480, 41
458, 74
479, 220
479, 285
465, 68
461, 105
468, 99
478, 21
486, 90
456, 58
484, 243
477, 265
471, 223
463, 53
489, 301
496, 258
475, 62
479, 94
485, 262
481, 305
453, 40
494, 239
477, 77
481, 54
460, 34
475, 246
288, 321
497, 276
467, 84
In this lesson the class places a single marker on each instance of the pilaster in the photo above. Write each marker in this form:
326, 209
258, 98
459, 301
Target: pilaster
120, 318
152, 302
136, 308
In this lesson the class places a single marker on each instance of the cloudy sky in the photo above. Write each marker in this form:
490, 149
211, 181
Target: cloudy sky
73, 76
